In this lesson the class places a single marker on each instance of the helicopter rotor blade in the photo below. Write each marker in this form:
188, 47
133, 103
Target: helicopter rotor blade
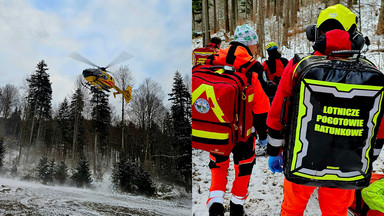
124, 56
81, 58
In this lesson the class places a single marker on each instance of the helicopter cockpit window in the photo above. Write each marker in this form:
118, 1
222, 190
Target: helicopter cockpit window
103, 76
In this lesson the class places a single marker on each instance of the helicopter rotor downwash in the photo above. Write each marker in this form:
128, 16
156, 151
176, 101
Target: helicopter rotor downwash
100, 77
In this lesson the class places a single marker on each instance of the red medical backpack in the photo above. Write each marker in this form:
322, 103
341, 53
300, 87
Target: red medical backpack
221, 108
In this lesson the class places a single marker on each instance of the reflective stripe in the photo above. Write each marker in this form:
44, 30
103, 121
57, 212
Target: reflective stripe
250, 160
376, 152
210, 135
238, 200
249, 131
275, 142
217, 193
215, 197
210, 92
250, 98
212, 158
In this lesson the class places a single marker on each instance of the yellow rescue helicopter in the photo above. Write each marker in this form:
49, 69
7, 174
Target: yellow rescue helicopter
100, 77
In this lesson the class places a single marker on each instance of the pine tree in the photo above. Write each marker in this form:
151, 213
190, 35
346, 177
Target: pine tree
144, 182
40, 92
45, 169
63, 126
14, 123
2, 151
61, 173
101, 118
39, 101
82, 173
123, 173
76, 108
181, 128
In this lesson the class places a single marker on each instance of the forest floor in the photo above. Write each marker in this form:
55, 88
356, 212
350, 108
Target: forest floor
29, 198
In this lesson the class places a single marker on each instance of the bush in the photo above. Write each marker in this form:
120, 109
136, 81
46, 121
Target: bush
123, 174
82, 174
61, 172
144, 182
128, 176
45, 169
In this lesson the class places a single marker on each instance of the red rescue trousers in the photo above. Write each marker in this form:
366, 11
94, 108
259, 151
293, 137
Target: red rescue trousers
244, 159
332, 201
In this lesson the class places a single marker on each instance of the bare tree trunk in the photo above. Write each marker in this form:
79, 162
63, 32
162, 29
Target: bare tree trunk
251, 11
286, 24
226, 17
38, 132
75, 133
350, 4
275, 8
193, 20
233, 16
206, 22
215, 24
380, 24
95, 156
280, 8
122, 123
260, 27
294, 12
267, 15
236, 11
22, 128
32, 128
326, 2
360, 16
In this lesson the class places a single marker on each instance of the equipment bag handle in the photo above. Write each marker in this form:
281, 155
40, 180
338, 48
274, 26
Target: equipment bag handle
344, 53
227, 69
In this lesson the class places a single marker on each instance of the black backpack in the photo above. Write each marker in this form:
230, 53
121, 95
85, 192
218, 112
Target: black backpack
334, 115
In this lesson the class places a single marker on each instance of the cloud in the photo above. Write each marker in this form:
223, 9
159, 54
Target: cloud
157, 33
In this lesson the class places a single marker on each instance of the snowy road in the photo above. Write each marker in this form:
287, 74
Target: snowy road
27, 198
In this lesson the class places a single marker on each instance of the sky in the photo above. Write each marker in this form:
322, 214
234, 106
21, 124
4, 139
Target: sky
156, 32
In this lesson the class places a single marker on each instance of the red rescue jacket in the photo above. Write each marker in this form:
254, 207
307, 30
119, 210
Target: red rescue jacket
274, 68
239, 56
333, 40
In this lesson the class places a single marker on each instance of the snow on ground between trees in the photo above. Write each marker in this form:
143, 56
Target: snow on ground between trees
29, 198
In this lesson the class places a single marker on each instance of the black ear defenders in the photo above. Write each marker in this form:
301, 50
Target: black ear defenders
357, 39
312, 33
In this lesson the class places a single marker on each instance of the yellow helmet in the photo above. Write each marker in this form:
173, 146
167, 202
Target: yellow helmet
344, 17
271, 45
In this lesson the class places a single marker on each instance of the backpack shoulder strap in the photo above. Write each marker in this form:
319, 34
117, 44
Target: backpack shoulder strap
297, 58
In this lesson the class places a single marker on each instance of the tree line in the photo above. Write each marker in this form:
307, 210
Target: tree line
83, 130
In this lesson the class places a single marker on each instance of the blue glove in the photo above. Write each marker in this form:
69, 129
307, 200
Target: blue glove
263, 143
276, 163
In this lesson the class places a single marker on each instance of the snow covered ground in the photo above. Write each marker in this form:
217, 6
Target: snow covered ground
28, 198
266, 188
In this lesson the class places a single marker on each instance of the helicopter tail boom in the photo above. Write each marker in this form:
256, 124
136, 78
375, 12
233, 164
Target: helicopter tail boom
127, 93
